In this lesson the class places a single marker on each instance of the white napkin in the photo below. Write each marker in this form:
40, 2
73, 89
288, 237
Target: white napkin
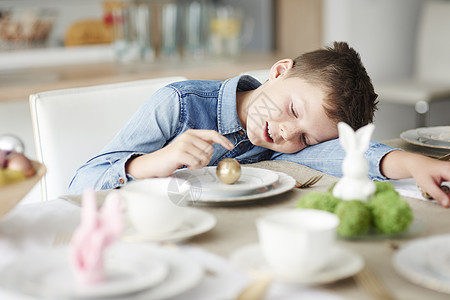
408, 188
33, 226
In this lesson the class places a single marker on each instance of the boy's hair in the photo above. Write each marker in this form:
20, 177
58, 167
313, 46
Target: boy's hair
350, 94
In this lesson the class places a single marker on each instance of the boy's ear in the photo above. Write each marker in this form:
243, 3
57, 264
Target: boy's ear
280, 68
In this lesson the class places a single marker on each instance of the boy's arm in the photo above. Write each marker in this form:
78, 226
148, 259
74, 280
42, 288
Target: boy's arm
149, 145
428, 173
328, 156
385, 163
149, 129
192, 148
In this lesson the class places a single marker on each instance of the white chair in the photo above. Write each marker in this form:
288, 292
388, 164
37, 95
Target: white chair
72, 125
431, 80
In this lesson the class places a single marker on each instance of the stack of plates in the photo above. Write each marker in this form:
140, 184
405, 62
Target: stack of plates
133, 271
433, 137
254, 183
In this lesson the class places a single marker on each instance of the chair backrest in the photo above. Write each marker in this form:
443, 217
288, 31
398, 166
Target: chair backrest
72, 125
433, 42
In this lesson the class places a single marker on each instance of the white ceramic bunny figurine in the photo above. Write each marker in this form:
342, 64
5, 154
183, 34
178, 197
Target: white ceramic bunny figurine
355, 184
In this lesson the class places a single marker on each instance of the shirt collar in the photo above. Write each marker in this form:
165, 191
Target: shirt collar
227, 117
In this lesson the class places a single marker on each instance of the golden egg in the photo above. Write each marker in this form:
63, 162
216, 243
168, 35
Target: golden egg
228, 170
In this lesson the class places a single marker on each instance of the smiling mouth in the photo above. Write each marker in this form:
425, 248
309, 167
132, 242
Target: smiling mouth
268, 134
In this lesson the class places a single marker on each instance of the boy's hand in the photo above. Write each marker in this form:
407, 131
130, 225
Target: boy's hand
192, 148
429, 177
428, 173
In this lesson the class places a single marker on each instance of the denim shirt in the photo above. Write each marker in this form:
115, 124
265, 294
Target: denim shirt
200, 104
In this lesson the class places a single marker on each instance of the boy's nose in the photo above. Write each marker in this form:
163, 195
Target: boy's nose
288, 132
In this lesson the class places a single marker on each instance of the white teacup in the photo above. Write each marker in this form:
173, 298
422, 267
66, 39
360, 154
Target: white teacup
150, 204
297, 242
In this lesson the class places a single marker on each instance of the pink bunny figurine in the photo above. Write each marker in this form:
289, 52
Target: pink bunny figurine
355, 183
98, 229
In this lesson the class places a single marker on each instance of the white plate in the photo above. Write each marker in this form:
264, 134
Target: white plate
184, 274
411, 136
344, 263
412, 261
438, 133
195, 222
205, 184
284, 184
47, 274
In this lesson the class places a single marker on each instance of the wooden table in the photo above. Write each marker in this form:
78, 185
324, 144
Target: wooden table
236, 228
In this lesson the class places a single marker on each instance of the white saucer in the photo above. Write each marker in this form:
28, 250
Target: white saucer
344, 263
206, 185
195, 222
425, 262
47, 273
284, 184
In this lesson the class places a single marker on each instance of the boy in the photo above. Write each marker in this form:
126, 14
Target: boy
293, 116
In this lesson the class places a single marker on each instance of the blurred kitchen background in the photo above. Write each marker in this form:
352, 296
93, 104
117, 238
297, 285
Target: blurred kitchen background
54, 44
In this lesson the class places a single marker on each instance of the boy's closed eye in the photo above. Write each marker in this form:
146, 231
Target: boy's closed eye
304, 140
293, 111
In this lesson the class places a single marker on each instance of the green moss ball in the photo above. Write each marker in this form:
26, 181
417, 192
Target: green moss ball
355, 218
322, 201
384, 186
391, 214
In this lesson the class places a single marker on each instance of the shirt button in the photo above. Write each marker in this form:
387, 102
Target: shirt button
121, 180
241, 132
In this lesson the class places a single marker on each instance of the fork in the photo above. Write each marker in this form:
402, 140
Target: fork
310, 182
257, 288
367, 280
62, 238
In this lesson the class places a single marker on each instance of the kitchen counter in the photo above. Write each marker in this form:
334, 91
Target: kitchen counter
18, 84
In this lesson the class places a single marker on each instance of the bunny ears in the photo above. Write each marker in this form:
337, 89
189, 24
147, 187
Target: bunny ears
355, 140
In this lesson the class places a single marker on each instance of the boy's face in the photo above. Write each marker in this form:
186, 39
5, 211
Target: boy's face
287, 115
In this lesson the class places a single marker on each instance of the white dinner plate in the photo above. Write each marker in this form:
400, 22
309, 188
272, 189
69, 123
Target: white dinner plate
195, 222
437, 133
284, 184
411, 136
184, 274
416, 262
47, 274
206, 185
344, 263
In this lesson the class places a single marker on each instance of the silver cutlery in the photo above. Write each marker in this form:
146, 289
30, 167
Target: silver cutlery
62, 238
310, 182
368, 281
257, 288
